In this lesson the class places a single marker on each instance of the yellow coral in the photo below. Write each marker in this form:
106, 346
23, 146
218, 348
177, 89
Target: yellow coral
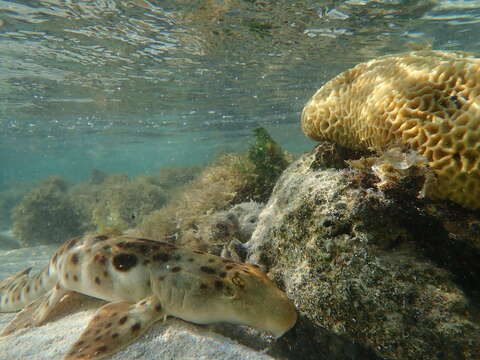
428, 101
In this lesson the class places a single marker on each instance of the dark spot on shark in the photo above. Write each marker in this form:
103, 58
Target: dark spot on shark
100, 238
207, 270
135, 327
74, 259
218, 285
100, 258
102, 349
161, 257
124, 262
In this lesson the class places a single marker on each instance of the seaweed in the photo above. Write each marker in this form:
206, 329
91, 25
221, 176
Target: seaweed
268, 161
123, 203
46, 215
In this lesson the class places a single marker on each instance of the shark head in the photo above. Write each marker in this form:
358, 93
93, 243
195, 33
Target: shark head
224, 291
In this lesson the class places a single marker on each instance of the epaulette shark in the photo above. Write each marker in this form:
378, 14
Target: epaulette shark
143, 281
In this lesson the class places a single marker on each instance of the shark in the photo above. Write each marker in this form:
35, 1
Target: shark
143, 281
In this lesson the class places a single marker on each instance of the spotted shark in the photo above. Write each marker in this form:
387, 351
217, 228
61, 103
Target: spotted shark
143, 281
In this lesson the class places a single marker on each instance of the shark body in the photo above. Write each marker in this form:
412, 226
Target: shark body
144, 281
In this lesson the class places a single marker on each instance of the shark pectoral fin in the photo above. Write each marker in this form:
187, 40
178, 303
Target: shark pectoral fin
113, 327
49, 303
4, 284
36, 312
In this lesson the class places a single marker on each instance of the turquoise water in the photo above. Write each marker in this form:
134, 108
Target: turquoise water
131, 86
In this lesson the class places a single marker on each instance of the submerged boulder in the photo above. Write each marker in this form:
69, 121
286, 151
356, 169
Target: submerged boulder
46, 215
358, 263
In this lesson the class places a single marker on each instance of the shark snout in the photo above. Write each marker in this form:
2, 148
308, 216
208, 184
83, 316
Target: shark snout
280, 315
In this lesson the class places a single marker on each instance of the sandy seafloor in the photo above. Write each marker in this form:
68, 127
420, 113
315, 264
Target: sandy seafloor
172, 339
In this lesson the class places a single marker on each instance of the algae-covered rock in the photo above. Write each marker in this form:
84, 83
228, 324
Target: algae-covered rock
123, 203
268, 161
226, 231
230, 180
356, 261
216, 188
97, 176
8, 200
171, 177
46, 215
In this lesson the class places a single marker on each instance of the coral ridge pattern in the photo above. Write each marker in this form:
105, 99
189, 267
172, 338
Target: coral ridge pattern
428, 101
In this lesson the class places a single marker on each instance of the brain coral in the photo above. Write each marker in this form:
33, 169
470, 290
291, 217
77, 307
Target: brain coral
428, 101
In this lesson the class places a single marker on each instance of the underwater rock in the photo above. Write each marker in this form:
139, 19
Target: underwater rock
8, 200
97, 176
123, 203
46, 215
171, 177
247, 215
219, 186
230, 180
358, 263
427, 101
225, 232
7, 241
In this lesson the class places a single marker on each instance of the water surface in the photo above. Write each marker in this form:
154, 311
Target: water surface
130, 86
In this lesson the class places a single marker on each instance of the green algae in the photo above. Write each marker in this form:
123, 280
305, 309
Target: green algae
268, 160
46, 215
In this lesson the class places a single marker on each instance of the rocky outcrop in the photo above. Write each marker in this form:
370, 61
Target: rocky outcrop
374, 273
